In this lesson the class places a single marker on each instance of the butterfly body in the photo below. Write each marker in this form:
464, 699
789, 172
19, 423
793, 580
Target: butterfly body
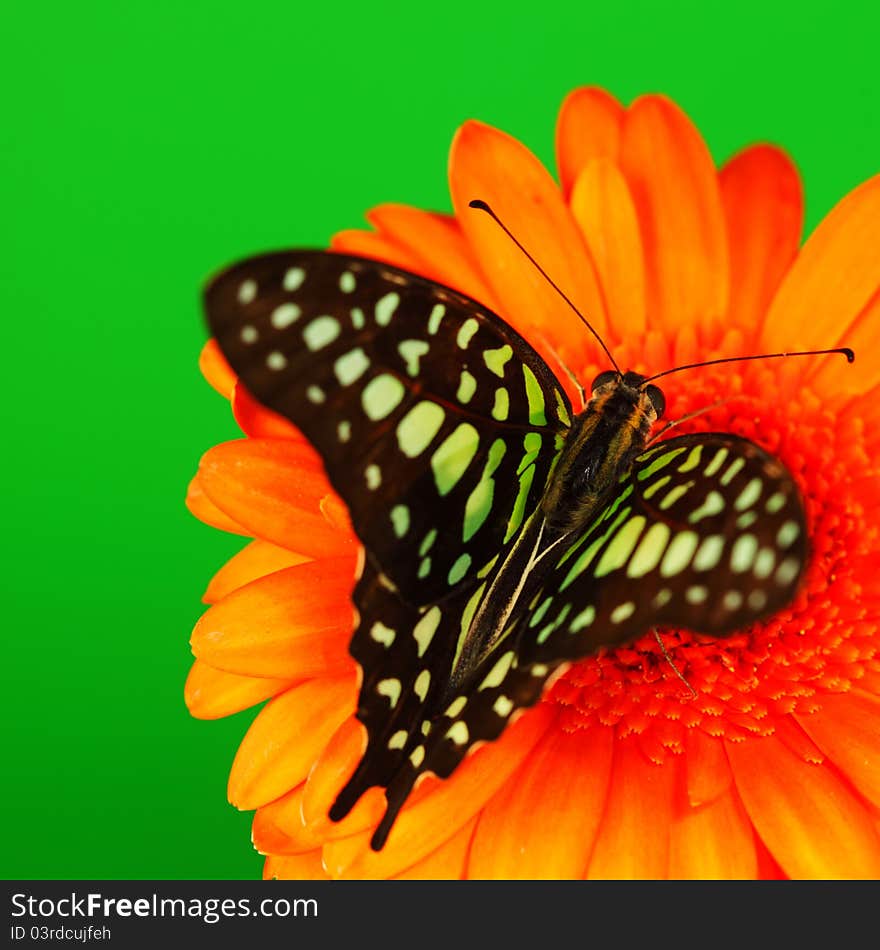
504, 536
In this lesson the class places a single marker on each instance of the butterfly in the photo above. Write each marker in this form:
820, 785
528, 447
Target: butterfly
504, 535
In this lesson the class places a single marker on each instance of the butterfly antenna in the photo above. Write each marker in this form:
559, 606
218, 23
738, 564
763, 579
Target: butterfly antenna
843, 350
482, 206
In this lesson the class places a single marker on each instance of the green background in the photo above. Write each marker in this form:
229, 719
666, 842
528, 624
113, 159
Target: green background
143, 146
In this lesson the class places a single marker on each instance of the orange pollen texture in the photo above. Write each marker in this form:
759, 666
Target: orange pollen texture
822, 643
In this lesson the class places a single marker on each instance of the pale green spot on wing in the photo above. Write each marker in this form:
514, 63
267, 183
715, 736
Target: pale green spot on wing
466, 332
381, 396
537, 408
776, 502
709, 553
391, 689
382, 634
519, 504
647, 555
679, 553
561, 411
467, 386
788, 534
459, 568
321, 332
495, 676
623, 612
652, 489
400, 520
501, 409
717, 461
742, 555
416, 430
621, 546
732, 471
458, 732
496, 360
479, 503
385, 308
672, 497
412, 351
693, 459
427, 541
423, 681
424, 630
349, 367
749, 495
437, 315
713, 505
583, 619
451, 459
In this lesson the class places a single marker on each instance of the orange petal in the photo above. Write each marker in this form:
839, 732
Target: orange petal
205, 510
488, 164
378, 247
603, 207
437, 241
279, 827
633, 839
253, 561
259, 422
211, 694
216, 370
425, 824
542, 823
846, 729
589, 126
812, 823
713, 842
295, 623
764, 210
295, 867
831, 295
708, 772
675, 188
286, 738
447, 863
274, 489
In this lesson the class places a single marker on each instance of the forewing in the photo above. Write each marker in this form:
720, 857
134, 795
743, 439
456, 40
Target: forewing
437, 423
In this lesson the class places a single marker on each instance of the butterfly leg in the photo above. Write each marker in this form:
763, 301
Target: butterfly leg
685, 418
671, 662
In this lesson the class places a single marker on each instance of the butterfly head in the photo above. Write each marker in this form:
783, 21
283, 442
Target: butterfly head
631, 386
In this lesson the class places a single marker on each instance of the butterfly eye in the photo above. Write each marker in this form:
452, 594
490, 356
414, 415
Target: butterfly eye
658, 400
608, 376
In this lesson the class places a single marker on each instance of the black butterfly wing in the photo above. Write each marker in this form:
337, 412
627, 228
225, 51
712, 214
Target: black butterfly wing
437, 424
707, 532
420, 401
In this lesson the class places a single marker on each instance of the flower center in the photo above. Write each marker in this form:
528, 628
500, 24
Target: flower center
821, 643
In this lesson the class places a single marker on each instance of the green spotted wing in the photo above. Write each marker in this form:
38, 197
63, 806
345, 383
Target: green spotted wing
438, 425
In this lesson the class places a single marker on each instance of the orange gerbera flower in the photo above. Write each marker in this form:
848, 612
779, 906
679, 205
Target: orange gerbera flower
773, 768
